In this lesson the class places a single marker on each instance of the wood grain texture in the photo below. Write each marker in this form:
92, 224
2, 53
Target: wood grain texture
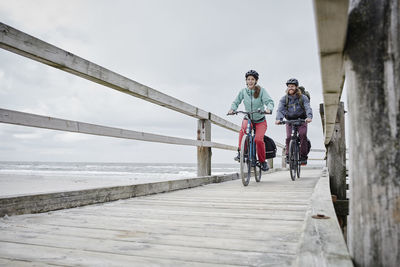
222, 224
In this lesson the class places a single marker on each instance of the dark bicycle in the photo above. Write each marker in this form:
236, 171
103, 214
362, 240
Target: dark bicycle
248, 153
294, 148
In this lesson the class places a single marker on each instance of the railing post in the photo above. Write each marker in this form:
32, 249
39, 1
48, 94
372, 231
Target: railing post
203, 153
284, 157
336, 157
270, 163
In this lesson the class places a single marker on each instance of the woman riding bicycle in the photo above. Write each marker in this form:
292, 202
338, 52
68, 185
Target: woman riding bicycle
295, 106
254, 98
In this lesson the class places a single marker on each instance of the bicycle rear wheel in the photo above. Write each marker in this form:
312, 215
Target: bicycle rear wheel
292, 160
245, 168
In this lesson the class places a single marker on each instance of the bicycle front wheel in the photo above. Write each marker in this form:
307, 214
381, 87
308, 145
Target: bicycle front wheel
292, 160
298, 161
257, 173
245, 168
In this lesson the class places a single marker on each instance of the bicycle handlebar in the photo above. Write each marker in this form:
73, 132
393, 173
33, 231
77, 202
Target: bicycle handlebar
252, 112
293, 122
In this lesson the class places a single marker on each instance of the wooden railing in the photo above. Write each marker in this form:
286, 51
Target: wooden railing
28, 46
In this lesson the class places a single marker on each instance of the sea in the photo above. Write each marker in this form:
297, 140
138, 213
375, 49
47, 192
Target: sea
20, 178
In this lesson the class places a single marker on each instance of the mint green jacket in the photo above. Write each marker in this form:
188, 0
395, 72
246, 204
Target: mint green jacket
253, 104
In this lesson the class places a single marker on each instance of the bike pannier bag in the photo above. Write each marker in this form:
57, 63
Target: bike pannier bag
270, 148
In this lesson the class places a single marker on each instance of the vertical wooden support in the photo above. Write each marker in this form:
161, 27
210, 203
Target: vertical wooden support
322, 113
270, 163
284, 157
373, 77
203, 153
336, 157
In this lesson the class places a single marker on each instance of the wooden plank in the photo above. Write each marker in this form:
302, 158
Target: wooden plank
331, 20
33, 120
203, 153
76, 257
243, 256
61, 200
322, 243
28, 46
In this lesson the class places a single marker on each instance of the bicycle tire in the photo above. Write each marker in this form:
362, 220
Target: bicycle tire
298, 161
257, 173
292, 160
245, 168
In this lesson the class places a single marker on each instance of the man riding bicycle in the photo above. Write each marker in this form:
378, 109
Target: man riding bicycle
294, 105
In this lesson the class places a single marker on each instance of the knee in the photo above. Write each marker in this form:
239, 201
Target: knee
303, 136
259, 139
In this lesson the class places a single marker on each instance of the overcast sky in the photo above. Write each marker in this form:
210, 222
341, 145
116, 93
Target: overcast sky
197, 51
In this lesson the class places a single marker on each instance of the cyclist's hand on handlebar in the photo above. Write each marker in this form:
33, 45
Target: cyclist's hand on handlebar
308, 120
267, 111
231, 112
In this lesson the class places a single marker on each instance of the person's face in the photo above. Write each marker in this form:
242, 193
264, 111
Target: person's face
251, 82
291, 89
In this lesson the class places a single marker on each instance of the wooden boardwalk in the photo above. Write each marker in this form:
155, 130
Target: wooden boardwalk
222, 224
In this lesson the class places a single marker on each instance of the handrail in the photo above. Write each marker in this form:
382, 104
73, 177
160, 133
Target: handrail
33, 120
26, 45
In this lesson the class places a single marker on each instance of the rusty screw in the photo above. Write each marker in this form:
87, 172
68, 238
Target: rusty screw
320, 216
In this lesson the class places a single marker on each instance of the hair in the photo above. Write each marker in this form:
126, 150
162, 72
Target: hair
298, 92
257, 91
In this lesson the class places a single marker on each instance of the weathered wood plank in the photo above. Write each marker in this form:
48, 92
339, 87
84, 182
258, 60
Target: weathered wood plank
331, 20
62, 200
38, 121
75, 257
281, 243
322, 243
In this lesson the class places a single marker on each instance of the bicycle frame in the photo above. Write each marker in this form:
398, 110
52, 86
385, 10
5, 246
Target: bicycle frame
294, 148
251, 133
248, 154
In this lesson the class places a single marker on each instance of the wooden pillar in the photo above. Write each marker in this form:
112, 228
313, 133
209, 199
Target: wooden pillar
372, 64
284, 157
336, 157
204, 153
270, 163
322, 115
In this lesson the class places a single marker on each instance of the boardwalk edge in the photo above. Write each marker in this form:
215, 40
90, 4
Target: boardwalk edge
38, 203
322, 242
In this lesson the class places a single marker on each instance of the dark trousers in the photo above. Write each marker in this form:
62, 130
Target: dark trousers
303, 139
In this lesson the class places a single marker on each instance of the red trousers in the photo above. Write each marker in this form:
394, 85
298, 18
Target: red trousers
261, 128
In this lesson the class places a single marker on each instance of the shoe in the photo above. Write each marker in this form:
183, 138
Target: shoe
264, 166
237, 158
303, 160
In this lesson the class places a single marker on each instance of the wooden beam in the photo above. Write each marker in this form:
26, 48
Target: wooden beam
33, 120
203, 153
322, 241
28, 46
331, 20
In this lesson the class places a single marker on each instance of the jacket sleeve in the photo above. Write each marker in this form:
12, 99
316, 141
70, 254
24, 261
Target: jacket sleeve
281, 112
237, 101
307, 107
267, 100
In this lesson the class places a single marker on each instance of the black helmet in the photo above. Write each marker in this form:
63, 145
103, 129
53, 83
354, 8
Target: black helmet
252, 73
292, 81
